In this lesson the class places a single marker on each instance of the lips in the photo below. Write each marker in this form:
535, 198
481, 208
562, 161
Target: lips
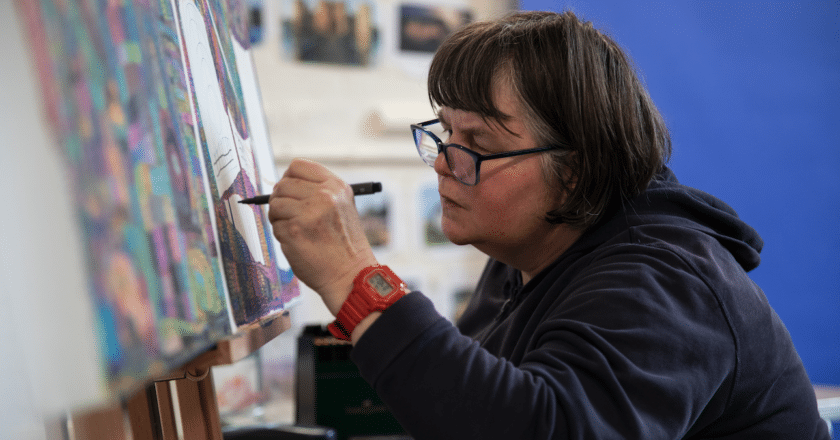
447, 202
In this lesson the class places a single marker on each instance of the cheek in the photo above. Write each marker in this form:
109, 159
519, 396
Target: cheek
501, 222
515, 208
504, 207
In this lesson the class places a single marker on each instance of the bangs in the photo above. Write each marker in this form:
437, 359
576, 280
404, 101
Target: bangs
464, 69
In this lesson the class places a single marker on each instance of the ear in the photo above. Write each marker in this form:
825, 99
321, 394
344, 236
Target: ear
571, 171
562, 176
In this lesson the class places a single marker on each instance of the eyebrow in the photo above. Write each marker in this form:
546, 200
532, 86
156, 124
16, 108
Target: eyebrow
441, 118
472, 131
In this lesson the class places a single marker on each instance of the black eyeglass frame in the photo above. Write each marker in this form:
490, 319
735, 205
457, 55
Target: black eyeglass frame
477, 158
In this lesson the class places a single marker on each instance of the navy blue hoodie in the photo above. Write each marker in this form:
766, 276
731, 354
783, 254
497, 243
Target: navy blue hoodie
648, 327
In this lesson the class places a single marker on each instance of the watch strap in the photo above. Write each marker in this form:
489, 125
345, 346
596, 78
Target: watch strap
361, 301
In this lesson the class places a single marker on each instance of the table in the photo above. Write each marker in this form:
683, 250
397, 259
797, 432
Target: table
828, 402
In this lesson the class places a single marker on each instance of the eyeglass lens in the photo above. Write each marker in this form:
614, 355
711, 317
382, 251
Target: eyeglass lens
461, 163
426, 146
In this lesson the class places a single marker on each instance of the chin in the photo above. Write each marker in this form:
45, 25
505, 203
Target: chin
452, 234
457, 241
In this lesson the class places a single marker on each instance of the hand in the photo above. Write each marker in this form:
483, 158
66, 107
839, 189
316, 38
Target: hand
313, 216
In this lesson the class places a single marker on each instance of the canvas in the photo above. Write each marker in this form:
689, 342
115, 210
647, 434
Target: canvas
157, 111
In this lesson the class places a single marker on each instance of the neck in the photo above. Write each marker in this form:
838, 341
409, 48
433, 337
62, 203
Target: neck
535, 255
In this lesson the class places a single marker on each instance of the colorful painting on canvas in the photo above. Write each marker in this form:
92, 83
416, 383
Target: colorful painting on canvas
158, 151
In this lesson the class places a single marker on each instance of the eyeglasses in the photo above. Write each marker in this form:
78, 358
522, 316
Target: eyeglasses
463, 162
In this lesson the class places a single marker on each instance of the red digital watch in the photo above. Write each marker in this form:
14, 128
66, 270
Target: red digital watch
375, 288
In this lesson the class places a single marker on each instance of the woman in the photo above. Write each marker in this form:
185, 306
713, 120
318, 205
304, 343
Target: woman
615, 303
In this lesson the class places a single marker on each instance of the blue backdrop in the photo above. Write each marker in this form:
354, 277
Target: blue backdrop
750, 92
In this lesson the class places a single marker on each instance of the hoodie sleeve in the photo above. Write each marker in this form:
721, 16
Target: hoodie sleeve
635, 347
438, 383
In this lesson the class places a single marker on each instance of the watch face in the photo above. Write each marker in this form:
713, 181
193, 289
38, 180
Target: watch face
380, 284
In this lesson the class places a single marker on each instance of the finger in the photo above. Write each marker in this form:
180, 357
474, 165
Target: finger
289, 219
309, 170
293, 188
304, 177
282, 208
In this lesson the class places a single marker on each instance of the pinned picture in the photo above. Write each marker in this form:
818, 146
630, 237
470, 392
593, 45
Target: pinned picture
332, 32
431, 215
460, 297
423, 28
377, 211
256, 21
239, 387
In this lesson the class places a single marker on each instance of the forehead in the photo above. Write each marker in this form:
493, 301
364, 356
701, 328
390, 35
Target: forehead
504, 100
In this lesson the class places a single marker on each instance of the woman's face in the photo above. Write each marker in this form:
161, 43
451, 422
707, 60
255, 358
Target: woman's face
504, 214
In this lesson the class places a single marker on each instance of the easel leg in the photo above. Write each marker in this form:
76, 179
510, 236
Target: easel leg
142, 415
165, 411
178, 409
199, 409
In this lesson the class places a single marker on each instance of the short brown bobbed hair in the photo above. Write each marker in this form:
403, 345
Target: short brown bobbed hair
578, 91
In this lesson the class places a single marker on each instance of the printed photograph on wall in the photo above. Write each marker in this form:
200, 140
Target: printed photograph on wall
239, 388
332, 32
156, 111
256, 21
415, 279
377, 211
458, 292
430, 213
424, 27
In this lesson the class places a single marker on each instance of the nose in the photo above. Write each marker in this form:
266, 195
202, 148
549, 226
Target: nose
441, 167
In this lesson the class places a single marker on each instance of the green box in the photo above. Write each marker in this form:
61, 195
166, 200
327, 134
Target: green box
330, 391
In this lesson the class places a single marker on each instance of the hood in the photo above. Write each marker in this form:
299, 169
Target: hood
667, 202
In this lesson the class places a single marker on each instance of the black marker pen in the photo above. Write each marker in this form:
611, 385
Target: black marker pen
359, 189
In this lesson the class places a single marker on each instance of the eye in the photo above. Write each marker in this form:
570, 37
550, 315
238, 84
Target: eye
444, 133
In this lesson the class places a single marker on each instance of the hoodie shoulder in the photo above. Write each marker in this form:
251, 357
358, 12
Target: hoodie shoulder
667, 203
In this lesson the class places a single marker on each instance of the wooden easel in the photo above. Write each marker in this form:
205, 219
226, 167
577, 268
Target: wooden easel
178, 406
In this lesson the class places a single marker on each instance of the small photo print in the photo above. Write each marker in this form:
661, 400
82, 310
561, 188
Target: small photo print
415, 280
375, 212
423, 27
431, 215
332, 32
256, 26
460, 298
378, 211
238, 385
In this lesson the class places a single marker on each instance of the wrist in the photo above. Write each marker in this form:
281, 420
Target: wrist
336, 293
374, 289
